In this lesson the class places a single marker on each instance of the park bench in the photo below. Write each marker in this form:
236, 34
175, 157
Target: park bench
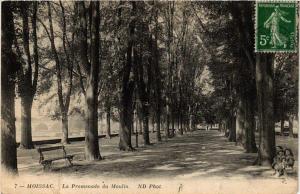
62, 155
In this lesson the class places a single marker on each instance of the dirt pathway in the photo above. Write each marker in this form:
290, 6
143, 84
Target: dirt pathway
201, 162
196, 155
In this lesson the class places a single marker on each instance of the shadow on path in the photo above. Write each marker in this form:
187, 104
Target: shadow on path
199, 154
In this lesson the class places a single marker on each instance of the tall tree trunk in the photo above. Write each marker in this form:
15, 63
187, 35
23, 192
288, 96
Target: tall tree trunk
65, 128
172, 121
91, 129
240, 117
127, 89
249, 125
92, 71
136, 132
180, 110
157, 86
140, 125
132, 121
146, 127
232, 129
178, 120
158, 135
143, 94
153, 124
226, 134
169, 87
264, 83
157, 77
8, 74
91, 124
167, 127
26, 136
180, 124
64, 106
190, 119
125, 116
281, 125
108, 130
291, 119
27, 87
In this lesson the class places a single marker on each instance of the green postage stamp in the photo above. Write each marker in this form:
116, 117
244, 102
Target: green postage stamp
276, 27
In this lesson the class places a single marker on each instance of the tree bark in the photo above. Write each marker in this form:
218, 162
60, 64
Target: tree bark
26, 136
291, 119
191, 126
172, 121
146, 128
232, 129
169, 87
240, 117
91, 124
264, 83
91, 69
249, 125
27, 87
127, 89
158, 135
140, 125
180, 124
8, 74
281, 126
125, 118
65, 128
245, 125
167, 127
143, 92
153, 124
136, 132
91, 130
108, 130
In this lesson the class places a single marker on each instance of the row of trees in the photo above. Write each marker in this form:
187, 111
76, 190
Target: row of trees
147, 59
249, 85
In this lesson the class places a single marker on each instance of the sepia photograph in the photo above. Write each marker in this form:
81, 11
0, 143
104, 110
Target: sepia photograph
149, 97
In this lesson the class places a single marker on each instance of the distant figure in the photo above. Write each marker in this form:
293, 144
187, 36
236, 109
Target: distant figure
277, 39
180, 188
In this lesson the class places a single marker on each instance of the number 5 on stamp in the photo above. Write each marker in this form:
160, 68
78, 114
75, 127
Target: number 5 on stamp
275, 27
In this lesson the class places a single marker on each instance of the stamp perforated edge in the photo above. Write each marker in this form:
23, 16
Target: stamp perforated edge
296, 27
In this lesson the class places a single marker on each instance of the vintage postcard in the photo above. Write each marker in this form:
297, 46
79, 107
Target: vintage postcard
151, 97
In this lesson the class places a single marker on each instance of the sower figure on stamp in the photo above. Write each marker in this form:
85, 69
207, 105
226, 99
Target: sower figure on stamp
277, 39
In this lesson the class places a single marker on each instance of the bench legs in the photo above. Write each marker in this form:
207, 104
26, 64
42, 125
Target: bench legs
47, 166
70, 161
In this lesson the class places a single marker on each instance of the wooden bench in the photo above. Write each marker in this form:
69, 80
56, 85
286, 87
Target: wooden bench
47, 162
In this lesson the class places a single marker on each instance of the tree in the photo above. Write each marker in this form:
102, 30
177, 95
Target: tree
246, 79
157, 80
27, 78
9, 67
143, 49
91, 70
286, 88
127, 86
264, 84
63, 103
169, 15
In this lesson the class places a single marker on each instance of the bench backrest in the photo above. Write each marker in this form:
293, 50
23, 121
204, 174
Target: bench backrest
52, 148
46, 149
